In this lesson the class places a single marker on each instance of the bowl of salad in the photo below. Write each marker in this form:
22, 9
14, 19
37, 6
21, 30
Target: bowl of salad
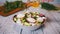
30, 20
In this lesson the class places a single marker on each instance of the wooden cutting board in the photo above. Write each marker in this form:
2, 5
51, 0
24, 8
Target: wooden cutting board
12, 11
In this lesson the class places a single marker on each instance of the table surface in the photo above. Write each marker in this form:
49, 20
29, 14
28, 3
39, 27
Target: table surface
52, 26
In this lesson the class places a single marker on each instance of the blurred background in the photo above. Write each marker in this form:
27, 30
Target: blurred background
54, 2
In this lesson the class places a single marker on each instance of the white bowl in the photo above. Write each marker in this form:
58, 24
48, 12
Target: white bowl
28, 27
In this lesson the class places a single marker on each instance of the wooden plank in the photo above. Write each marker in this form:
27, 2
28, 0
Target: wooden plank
50, 26
56, 16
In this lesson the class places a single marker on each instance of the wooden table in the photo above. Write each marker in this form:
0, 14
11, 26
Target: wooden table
52, 26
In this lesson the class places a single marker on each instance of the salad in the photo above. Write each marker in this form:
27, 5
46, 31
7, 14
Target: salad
30, 18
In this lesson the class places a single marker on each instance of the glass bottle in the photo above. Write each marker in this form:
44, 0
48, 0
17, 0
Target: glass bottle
34, 3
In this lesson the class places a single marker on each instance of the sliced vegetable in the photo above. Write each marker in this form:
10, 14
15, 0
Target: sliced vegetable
27, 24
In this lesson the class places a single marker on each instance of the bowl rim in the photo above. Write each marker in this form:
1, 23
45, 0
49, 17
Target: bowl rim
29, 26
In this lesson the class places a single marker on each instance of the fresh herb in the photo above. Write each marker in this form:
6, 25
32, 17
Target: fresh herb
48, 6
13, 5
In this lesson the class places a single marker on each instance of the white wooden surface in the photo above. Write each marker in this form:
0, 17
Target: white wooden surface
52, 26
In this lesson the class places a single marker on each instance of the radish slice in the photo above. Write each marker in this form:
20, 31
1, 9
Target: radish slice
41, 15
40, 19
20, 15
31, 20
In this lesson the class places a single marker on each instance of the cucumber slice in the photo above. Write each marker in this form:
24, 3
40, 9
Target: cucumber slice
27, 24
